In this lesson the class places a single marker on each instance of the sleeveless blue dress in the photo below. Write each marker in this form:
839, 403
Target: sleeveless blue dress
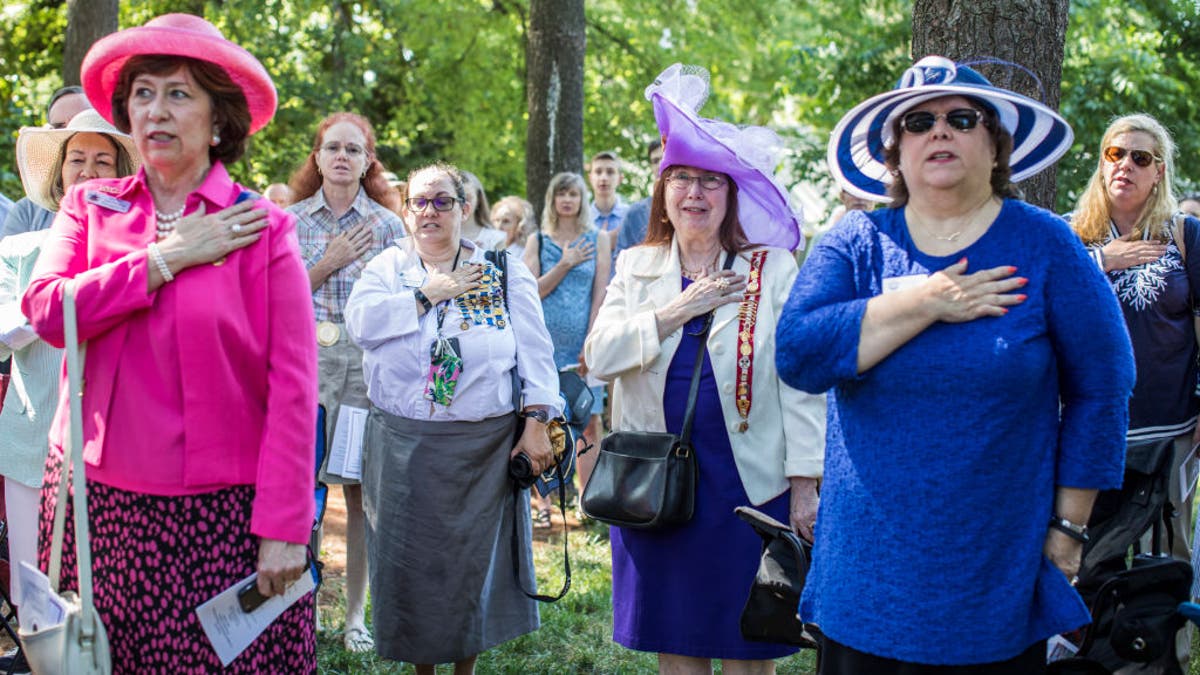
569, 305
682, 590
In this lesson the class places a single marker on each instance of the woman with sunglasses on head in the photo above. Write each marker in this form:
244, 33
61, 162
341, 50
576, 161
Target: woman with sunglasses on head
345, 215
979, 373
1129, 220
441, 336
698, 300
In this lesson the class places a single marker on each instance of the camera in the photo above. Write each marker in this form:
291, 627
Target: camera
520, 469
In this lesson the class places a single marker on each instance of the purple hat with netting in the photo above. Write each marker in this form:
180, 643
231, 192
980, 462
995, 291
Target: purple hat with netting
748, 155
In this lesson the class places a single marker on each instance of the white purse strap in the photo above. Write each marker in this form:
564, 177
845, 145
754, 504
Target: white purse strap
73, 457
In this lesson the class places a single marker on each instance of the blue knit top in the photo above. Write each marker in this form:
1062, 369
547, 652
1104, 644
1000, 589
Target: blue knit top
941, 461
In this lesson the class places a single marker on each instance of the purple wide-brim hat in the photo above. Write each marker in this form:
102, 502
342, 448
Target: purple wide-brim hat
177, 35
748, 155
857, 144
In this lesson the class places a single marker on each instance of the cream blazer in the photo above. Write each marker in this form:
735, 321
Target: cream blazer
786, 432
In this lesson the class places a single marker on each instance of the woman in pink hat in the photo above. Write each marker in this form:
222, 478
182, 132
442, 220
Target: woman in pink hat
200, 400
707, 285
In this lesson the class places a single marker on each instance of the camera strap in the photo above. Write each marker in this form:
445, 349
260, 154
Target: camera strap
519, 527
500, 260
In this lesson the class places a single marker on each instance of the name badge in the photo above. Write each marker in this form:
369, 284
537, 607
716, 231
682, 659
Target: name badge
107, 201
893, 284
411, 280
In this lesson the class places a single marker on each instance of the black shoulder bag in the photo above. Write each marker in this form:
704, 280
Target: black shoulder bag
500, 260
646, 480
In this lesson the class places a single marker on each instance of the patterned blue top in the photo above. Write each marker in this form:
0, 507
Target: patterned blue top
941, 461
569, 305
1156, 299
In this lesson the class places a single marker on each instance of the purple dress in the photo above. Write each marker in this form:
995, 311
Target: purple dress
682, 590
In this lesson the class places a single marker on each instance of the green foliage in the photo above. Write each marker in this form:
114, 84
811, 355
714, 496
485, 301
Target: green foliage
445, 80
1122, 58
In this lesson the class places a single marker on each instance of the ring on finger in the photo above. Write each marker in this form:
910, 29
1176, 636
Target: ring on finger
235, 228
722, 284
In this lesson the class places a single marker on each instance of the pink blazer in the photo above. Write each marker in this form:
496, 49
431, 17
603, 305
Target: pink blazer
244, 357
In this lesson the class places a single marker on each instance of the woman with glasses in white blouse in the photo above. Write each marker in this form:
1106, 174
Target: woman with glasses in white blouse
441, 336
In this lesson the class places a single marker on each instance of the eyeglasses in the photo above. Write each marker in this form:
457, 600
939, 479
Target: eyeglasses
1143, 158
708, 181
440, 203
959, 119
352, 150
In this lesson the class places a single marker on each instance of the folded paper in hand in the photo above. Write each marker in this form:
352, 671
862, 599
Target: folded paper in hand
230, 630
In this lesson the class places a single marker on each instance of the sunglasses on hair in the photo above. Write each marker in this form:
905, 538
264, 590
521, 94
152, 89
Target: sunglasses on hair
1143, 158
959, 119
439, 203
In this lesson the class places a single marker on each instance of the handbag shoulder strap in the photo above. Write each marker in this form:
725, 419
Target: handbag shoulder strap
1179, 234
73, 463
685, 435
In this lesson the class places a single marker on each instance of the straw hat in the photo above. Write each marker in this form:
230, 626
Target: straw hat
856, 147
748, 155
39, 150
177, 35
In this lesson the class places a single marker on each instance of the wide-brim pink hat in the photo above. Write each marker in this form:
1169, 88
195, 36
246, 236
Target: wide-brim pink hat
748, 155
177, 35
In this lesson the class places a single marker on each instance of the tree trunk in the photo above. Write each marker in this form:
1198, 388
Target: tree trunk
554, 86
1029, 33
87, 21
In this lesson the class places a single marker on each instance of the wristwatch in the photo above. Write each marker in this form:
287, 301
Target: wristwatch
1073, 530
421, 298
537, 414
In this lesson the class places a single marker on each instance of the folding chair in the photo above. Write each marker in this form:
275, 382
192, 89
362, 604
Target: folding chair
320, 495
8, 613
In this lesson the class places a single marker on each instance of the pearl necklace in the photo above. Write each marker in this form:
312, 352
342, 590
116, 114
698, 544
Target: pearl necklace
694, 274
166, 221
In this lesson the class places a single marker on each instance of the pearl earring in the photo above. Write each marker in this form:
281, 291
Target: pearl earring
216, 140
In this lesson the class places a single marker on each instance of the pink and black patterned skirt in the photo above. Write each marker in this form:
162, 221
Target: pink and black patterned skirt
154, 560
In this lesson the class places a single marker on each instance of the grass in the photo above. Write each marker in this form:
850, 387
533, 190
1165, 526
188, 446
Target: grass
576, 632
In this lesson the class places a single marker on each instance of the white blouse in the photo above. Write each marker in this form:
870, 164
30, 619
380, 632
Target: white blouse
381, 317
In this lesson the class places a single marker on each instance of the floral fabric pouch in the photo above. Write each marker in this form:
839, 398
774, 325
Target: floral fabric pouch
445, 366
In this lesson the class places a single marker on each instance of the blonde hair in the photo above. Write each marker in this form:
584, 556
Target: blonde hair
524, 209
1093, 212
559, 183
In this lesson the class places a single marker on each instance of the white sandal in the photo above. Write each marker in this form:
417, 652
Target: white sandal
358, 640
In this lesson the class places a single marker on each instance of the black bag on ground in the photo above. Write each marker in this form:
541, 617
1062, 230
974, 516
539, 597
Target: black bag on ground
1120, 517
1134, 620
772, 613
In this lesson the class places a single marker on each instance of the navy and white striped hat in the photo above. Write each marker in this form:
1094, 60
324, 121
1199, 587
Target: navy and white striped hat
856, 147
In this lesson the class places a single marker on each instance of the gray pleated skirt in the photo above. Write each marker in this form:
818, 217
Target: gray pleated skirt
439, 512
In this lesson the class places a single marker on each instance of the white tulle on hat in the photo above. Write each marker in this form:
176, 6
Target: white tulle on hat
748, 155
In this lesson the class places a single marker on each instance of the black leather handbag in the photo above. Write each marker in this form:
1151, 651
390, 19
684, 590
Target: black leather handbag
646, 480
772, 612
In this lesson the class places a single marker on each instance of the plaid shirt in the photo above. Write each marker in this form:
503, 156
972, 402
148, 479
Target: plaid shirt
316, 225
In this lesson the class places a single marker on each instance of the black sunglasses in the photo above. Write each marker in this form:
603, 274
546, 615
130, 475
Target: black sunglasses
959, 119
1143, 158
